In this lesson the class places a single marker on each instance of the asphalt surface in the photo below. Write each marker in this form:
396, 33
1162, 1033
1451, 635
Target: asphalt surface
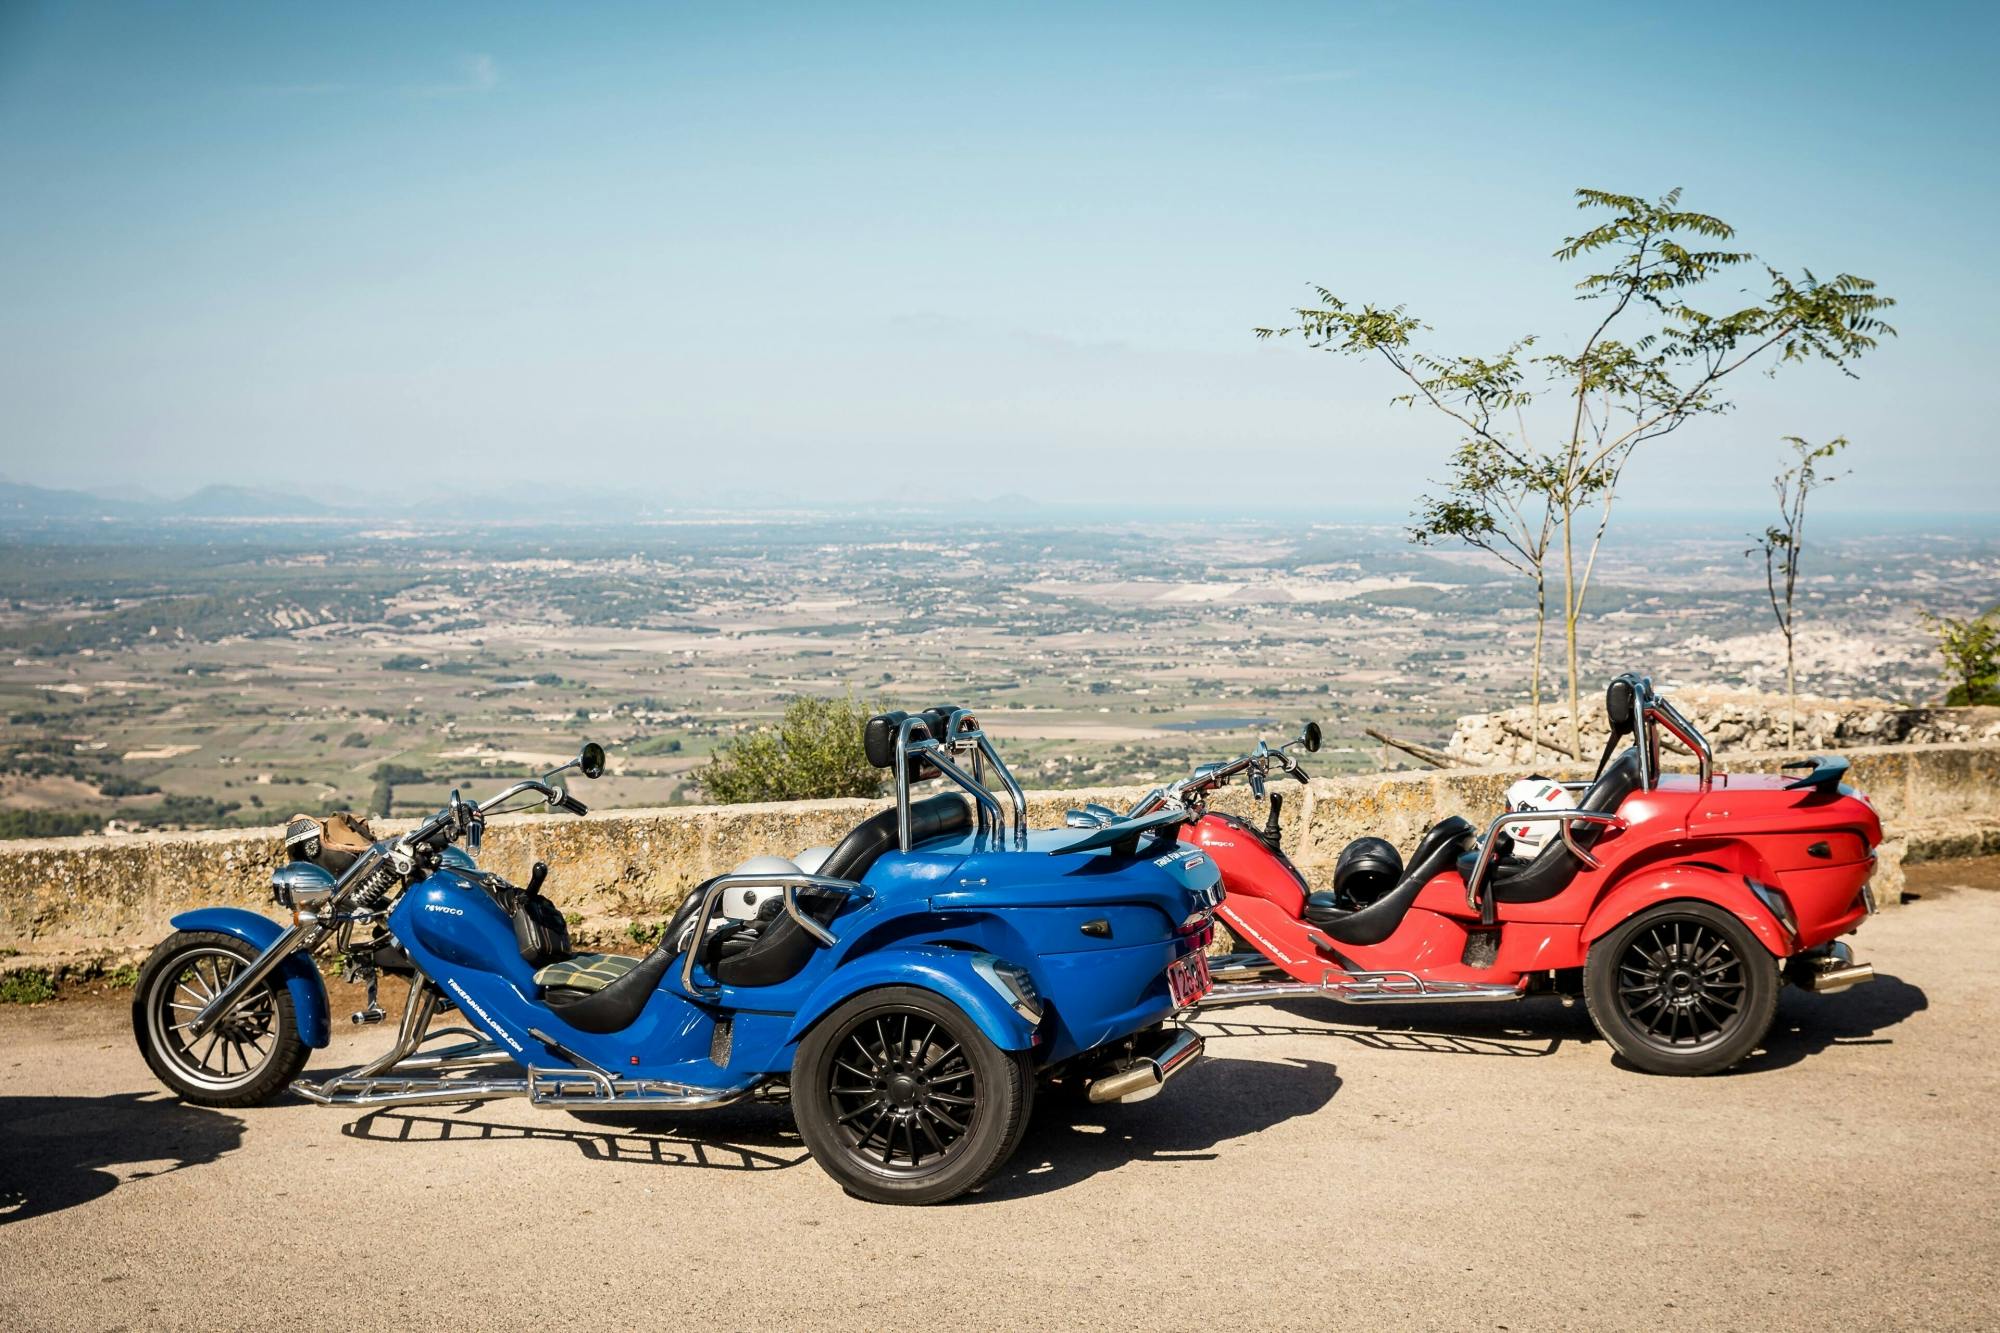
1473, 1167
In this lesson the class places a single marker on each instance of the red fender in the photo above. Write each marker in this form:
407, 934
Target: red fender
1668, 883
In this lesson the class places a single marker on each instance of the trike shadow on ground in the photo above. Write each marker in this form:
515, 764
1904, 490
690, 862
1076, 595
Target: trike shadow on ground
742, 1138
1218, 1100
57, 1152
1807, 1024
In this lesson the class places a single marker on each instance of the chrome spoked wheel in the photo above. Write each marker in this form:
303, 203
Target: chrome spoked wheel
238, 1048
1681, 983
250, 1056
904, 1091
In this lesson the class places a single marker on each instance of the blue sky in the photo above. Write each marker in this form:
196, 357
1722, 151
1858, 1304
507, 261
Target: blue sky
841, 252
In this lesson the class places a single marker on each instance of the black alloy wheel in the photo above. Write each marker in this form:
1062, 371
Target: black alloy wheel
903, 1100
1683, 988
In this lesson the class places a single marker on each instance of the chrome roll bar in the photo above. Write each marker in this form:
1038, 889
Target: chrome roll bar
791, 883
1657, 712
1476, 881
962, 736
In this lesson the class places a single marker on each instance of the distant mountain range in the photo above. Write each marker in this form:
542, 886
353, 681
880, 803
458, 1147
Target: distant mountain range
22, 502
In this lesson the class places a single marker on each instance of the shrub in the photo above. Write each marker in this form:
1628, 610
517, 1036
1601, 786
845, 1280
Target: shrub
815, 752
28, 986
46, 823
1971, 652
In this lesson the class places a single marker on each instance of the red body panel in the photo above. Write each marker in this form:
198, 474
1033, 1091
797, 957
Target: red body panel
1814, 847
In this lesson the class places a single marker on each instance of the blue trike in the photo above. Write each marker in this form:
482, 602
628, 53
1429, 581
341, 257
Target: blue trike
906, 989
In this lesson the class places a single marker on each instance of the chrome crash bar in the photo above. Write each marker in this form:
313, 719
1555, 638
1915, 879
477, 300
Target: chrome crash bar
405, 1075
1475, 883
1394, 987
791, 883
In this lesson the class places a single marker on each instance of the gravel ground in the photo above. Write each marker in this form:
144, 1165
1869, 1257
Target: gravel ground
1465, 1167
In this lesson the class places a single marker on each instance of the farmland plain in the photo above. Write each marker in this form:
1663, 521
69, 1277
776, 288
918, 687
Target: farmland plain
195, 672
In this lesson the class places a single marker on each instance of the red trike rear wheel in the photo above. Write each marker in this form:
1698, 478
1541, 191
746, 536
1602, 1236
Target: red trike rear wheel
1682, 988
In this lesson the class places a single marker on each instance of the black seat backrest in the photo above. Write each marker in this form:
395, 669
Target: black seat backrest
781, 946
1551, 872
878, 738
932, 817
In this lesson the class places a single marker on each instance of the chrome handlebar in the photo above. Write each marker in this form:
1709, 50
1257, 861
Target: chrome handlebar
1258, 763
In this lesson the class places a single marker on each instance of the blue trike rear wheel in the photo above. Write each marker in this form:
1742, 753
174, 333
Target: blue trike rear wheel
903, 1100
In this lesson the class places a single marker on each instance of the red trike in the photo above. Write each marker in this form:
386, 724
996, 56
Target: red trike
1676, 905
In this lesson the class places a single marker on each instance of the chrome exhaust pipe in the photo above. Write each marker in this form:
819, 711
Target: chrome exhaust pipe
1836, 969
1234, 968
1148, 1073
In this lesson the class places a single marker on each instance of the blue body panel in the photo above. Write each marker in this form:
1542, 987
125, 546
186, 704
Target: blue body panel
302, 979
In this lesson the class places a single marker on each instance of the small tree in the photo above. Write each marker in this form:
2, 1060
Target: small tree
1971, 652
1781, 547
815, 752
1653, 362
1498, 505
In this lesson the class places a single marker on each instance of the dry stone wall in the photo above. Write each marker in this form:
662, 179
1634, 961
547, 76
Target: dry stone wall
1732, 720
78, 904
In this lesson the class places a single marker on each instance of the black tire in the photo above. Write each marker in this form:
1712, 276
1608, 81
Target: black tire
250, 1058
902, 1099
1682, 988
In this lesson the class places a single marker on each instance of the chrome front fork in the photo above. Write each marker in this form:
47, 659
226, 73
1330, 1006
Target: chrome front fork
302, 935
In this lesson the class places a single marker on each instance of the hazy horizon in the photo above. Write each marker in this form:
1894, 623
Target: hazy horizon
843, 257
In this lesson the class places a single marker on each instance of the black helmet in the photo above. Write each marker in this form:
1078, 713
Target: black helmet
1367, 869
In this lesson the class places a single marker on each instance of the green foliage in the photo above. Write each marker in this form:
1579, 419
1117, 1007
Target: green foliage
28, 986
403, 662
47, 823
814, 752
123, 978
1971, 652
354, 740
548, 678
645, 934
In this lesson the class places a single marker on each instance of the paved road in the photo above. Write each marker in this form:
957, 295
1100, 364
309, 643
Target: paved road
1475, 1168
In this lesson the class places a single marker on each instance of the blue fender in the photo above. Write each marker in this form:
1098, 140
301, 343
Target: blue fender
302, 978
932, 967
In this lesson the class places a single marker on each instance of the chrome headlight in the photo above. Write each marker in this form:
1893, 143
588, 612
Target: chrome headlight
301, 885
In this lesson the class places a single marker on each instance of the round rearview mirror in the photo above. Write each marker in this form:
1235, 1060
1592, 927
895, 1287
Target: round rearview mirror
591, 760
1311, 737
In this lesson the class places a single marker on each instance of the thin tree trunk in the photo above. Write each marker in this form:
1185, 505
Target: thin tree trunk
1570, 614
1541, 638
1791, 696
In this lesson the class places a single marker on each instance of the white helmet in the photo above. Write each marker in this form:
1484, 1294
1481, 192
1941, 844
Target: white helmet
1536, 794
741, 903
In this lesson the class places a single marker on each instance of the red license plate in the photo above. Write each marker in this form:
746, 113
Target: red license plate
1187, 979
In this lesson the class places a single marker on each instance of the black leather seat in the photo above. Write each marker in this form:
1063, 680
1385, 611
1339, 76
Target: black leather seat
764, 953
1551, 872
1376, 922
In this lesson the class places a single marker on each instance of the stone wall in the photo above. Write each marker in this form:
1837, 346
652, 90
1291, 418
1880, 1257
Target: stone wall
1733, 720
78, 904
